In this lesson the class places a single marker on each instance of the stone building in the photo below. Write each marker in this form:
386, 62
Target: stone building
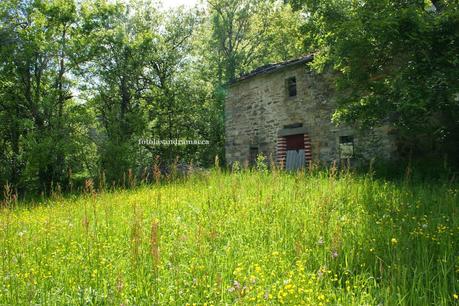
284, 110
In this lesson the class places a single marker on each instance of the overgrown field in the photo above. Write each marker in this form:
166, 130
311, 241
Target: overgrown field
242, 238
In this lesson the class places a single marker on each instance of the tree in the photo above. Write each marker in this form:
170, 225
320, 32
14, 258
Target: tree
396, 62
119, 42
35, 90
171, 104
141, 61
246, 34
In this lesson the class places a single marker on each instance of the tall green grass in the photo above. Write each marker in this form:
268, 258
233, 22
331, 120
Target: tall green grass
250, 237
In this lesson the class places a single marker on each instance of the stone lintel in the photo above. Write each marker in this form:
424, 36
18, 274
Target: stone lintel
292, 131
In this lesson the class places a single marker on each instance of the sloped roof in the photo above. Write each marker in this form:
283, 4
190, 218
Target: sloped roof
274, 67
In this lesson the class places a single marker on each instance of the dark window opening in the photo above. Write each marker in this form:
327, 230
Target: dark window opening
253, 153
346, 147
295, 142
291, 86
346, 139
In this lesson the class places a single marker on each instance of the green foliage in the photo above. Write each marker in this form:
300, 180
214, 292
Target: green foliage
261, 163
247, 34
81, 82
246, 238
38, 130
396, 63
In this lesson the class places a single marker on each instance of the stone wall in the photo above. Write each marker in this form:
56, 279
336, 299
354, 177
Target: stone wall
259, 108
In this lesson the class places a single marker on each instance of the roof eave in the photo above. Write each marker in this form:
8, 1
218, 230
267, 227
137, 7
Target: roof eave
305, 59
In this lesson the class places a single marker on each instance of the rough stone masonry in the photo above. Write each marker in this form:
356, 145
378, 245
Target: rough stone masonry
284, 110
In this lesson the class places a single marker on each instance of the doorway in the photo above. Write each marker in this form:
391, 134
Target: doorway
295, 156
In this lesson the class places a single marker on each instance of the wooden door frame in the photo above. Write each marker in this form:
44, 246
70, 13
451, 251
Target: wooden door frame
281, 146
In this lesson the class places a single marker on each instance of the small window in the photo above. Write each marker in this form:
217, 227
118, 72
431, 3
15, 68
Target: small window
346, 147
253, 155
291, 86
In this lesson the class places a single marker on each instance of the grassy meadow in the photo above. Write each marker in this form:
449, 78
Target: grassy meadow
248, 237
